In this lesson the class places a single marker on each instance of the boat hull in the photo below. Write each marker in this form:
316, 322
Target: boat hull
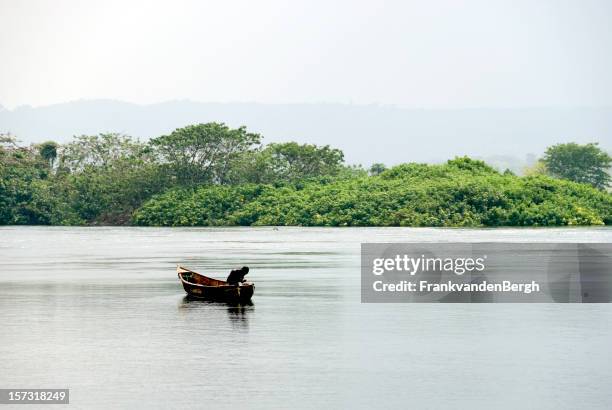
240, 294
203, 287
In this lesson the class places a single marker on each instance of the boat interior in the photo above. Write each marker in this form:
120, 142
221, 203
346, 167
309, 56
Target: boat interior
198, 279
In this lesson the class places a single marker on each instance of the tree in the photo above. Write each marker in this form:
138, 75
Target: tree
291, 161
48, 151
106, 176
7, 143
587, 163
204, 152
22, 171
377, 169
287, 162
252, 167
100, 150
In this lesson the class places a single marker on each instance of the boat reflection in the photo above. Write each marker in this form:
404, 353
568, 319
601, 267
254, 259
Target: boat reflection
237, 313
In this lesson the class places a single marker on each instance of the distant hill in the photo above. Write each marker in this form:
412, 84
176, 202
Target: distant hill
366, 133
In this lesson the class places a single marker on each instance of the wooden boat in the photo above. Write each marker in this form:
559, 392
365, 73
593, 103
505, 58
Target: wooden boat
203, 287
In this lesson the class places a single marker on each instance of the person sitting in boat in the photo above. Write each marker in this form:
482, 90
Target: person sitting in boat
237, 276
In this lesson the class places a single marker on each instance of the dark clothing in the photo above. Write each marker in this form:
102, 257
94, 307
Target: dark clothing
237, 276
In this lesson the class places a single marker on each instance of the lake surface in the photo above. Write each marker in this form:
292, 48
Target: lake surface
100, 311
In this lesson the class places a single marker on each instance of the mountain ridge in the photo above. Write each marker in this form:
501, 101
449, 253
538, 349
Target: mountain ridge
366, 133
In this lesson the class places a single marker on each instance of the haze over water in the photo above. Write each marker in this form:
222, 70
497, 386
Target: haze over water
100, 311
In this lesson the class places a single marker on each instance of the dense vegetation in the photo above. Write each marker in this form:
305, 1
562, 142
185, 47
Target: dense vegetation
102, 179
462, 192
211, 175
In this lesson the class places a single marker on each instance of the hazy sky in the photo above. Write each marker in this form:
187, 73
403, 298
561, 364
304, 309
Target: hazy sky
432, 54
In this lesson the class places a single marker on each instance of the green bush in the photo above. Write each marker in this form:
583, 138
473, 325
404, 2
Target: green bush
462, 192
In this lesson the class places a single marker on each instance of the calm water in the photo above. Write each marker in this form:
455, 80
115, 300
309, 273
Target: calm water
101, 311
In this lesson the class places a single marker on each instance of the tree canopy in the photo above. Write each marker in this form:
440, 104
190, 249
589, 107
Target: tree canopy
48, 151
211, 174
286, 162
587, 163
204, 153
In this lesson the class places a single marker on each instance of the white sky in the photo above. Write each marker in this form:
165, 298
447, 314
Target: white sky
431, 54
